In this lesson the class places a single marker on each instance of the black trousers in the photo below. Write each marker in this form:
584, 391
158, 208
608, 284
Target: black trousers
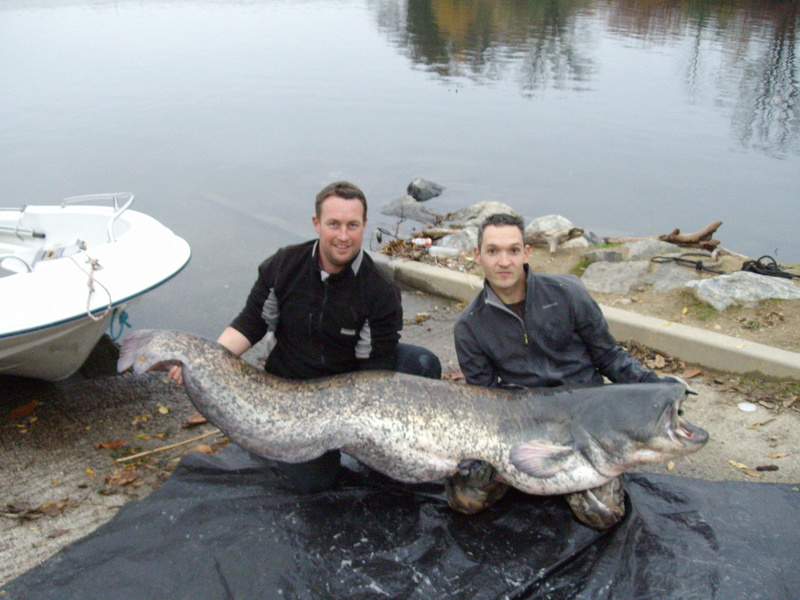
320, 474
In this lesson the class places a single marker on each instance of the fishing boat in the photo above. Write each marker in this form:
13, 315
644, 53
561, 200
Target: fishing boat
68, 271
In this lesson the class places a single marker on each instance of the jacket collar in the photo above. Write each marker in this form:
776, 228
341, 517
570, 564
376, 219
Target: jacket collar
352, 268
491, 297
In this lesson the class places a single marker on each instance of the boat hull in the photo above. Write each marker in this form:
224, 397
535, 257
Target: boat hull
84, 260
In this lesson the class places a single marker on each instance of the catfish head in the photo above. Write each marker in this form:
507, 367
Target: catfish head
643, 423
614, 428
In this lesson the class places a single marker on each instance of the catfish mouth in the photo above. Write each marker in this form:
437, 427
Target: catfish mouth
680, 430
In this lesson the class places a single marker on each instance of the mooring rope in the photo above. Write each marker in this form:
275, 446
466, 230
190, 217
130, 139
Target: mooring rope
94, 264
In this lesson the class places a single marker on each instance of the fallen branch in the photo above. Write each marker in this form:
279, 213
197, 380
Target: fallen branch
700, 239
170, 447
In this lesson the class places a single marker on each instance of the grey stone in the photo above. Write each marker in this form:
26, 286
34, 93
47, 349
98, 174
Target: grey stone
615, 278
422, 189
643, 249
742, 288
548, 222
603, 255
473, 216
465, 240
670, 277
592, 238
578, 242
405, 207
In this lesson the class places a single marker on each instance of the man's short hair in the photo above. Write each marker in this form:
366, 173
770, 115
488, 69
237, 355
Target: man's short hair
499, 220
340, 189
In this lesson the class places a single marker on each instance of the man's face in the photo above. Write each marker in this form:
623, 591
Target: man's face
503, 255
341, 228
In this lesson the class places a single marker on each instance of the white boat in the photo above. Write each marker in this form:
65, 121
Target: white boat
67, 271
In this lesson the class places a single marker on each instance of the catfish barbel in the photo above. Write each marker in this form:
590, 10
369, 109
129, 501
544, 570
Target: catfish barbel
416, 430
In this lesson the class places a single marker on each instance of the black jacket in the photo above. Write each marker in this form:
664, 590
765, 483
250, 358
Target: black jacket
322, 324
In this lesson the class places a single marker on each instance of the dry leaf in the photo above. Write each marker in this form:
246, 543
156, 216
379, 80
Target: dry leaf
52, 509
692, 372
204, 448
195, 419
777, 455
58, 533
454, 376
163, 409
659, 362
123, 477
670, 465
754, 474
24, 410
738, 465
109, 445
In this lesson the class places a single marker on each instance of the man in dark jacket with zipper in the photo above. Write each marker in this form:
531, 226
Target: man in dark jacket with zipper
324, 309
528, 330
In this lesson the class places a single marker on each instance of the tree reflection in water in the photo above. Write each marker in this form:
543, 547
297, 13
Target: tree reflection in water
553, 44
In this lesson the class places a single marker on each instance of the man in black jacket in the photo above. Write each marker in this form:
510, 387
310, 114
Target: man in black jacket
324, 309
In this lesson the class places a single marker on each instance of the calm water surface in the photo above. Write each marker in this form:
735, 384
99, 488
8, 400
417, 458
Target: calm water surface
225, 118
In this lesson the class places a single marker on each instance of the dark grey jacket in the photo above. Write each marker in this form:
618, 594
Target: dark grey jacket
563, 340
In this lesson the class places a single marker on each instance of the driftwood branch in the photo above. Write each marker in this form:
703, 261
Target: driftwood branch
700, 239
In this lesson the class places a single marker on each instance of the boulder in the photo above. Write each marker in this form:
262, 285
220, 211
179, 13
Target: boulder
473, 216
615, 278
648, 248
405, 207
422, 189
742, 288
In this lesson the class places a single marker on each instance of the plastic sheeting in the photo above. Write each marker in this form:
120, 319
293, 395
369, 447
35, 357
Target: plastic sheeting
227, 526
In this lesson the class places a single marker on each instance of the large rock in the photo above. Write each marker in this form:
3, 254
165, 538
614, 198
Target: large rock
742, 288
615, 278
603, 255
548, 222
645, 249
465, 240
422, 189
405, 207
670, 277
473, 216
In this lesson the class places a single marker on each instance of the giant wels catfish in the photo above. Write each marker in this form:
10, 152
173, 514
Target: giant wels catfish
415, 430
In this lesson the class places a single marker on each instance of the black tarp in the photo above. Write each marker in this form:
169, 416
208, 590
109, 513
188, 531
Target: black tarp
227, 526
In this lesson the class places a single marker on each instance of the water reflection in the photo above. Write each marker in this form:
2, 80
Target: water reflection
746, 48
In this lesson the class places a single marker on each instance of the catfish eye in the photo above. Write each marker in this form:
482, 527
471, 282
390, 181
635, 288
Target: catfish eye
680, 412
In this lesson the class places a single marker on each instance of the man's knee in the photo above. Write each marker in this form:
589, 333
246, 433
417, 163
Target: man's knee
416, 360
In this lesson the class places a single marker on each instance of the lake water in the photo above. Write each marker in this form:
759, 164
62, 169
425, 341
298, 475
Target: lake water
629, 118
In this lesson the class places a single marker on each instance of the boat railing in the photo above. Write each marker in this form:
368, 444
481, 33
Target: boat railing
4, 257
116, 198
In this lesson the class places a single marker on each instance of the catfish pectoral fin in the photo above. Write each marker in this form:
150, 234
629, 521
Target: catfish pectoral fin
540, 458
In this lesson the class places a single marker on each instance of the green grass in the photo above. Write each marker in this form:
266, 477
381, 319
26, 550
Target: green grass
698, 308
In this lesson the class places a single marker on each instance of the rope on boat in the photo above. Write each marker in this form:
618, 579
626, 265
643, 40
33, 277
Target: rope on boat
122, 319
94, 264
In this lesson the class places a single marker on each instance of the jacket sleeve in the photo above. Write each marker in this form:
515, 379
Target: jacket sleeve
472, 360
382, 328
608, 357
250, 322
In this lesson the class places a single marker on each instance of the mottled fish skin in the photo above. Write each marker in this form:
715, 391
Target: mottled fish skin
416, 430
